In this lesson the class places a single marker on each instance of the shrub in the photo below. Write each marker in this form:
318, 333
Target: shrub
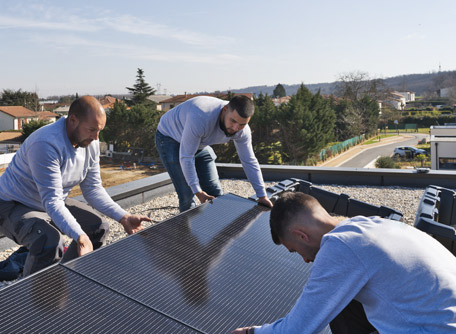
386, 162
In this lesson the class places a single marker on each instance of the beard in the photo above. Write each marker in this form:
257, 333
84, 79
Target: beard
225, 130
76, 138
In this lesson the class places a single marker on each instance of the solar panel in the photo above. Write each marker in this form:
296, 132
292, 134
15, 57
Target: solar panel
58, 300
209, 270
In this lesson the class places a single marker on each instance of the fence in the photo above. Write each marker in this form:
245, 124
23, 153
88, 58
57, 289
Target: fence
340, 147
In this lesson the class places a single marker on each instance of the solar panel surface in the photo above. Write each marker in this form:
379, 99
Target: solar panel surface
208, 270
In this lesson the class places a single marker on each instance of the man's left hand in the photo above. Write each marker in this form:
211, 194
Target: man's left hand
265, 201
132, 223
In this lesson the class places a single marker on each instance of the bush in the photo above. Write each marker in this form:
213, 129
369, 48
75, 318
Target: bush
386, 162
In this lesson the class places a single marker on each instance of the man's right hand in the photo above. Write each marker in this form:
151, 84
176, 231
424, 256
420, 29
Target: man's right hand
84, 245
204, 197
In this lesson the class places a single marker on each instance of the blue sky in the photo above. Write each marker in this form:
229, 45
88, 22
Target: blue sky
94, 47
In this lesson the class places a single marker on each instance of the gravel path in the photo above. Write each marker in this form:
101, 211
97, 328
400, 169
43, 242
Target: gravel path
404, 199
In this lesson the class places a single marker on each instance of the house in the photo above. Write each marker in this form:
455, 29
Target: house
396, 100
108, 102
281, 100
443, 147
14, 117
61, 111
168, 104
158, 99
408, 96
47, 116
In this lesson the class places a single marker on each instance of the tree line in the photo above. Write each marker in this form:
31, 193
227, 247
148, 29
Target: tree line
291, 133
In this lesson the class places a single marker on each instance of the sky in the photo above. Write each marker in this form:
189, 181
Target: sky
95, 47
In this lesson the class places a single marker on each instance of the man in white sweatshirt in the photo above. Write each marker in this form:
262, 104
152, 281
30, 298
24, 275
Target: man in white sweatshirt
34, 206
183, 138
404, 279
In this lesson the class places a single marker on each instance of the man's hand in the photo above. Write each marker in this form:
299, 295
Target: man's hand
265, 201
84, 245
204, 197
244, 330
132, 223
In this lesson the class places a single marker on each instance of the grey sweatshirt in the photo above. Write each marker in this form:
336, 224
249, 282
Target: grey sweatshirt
195, 125
46, 168
405, 279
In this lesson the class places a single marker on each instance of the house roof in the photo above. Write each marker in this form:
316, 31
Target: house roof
158, 98
18, 111
185, 97
46, 114
8, 136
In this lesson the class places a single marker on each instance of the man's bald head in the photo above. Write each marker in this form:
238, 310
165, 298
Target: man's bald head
86, 118
86, 106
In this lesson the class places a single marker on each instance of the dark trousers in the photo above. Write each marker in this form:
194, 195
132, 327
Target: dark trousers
35, 230
352, 320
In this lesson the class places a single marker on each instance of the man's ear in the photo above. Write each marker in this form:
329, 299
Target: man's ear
300, 234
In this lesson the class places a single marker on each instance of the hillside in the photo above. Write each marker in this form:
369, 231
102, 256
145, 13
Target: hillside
418, 83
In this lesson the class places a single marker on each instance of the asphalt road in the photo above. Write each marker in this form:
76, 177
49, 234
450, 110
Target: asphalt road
367, 156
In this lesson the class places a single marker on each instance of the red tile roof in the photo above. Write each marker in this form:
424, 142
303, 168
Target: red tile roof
18, 111
46, 114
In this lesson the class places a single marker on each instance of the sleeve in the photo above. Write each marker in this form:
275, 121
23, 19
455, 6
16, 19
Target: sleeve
249, 161
336, 278
190, 141
48, 179
94, 192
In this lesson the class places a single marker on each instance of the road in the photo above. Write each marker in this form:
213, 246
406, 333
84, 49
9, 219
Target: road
367, 157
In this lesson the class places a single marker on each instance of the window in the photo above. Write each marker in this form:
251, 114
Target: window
447, 163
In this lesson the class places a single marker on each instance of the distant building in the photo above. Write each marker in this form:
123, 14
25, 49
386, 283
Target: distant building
447, 92
395, 100
14, 117
168, 104
47, 116
408, 96
158, 99
443, 147
108, 102
281, 100
61, 111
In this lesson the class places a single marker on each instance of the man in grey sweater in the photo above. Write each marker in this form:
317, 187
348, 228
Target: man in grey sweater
34, 204
404, 279
183, 138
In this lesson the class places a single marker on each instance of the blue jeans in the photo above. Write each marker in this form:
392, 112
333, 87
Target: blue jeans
168, 149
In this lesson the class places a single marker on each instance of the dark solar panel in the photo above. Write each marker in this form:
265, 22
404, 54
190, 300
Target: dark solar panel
58, 300
208, 270
214, 268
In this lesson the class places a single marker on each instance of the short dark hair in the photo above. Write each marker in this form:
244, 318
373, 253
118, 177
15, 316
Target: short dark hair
243, 105
285, 209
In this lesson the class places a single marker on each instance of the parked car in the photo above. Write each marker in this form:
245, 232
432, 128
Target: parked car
408, 151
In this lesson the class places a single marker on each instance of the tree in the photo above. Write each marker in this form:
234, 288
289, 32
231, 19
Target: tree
141, 90
20, 98
306, 125
355, 85
32, 126
279, 91
135, 127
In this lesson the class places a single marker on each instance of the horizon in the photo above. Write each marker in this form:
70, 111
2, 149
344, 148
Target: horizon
57, 49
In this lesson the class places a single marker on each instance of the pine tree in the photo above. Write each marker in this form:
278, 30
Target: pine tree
279, 91
141, 90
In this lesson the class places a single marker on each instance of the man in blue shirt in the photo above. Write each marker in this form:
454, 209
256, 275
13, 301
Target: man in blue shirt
404, 279
34, 204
